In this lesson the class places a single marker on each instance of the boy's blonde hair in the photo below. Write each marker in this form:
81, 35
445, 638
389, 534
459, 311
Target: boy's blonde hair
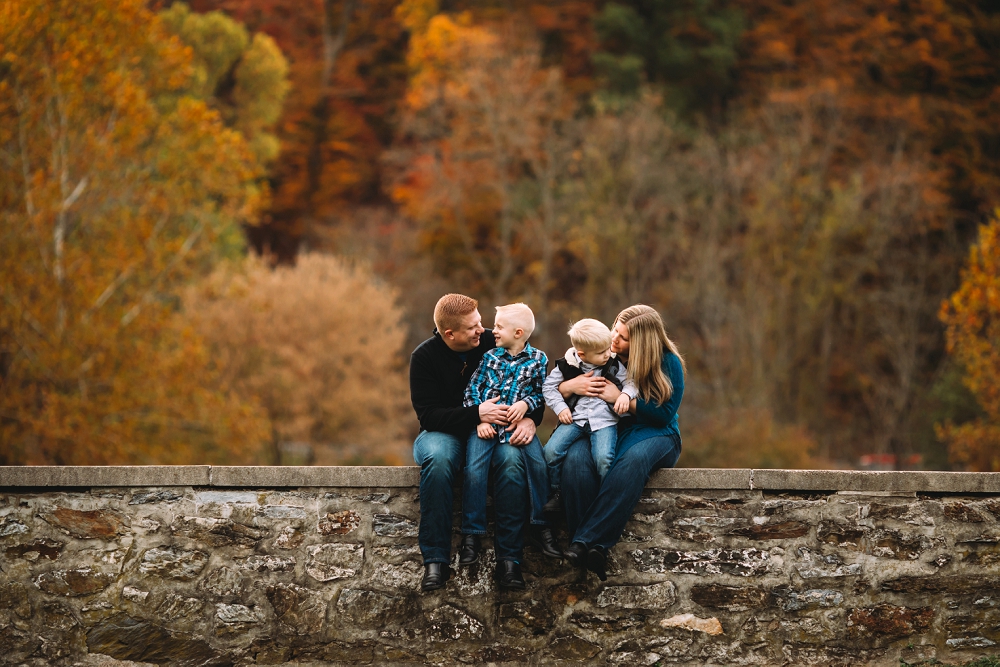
590, 335
450, 309
519, 316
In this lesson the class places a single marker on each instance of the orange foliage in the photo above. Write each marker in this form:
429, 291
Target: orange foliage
319, 346
972, 316
115, 190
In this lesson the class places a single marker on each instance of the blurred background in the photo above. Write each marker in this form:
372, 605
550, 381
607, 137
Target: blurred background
224, 225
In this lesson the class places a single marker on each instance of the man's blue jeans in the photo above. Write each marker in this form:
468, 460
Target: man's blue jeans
602, 449
596, 511
441, 458
516, 487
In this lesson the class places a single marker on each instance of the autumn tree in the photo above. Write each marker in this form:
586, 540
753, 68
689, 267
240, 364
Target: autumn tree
116, 188
245, 78
318, 345
488, 139
972, 316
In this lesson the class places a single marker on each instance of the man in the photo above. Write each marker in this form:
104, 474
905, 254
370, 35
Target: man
440, 369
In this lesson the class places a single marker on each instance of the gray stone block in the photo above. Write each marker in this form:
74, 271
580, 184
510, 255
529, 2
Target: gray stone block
328, 476
92, 476
876, 481
700, 478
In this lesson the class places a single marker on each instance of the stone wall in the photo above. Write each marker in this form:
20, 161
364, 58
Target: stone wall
220, 566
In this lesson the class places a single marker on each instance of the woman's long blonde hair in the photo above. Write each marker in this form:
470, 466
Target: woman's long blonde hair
647, 338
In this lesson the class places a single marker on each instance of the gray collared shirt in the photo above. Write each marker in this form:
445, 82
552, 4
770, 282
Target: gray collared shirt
591, 410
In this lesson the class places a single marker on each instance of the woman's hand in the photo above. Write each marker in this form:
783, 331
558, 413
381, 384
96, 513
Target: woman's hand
583, 385
610, 393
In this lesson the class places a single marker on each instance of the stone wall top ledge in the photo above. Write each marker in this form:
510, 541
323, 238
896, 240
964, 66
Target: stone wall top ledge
409, 476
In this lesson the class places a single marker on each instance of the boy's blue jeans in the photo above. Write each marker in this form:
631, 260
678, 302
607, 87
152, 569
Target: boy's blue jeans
518, 489
602, 449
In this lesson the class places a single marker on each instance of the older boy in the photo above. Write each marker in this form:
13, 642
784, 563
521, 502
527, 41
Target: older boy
440, 369
513, 372
591, 352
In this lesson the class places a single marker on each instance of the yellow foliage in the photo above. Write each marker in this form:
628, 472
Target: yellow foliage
972, 316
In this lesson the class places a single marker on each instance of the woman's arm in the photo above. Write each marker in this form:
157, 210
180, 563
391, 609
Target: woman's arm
583, 385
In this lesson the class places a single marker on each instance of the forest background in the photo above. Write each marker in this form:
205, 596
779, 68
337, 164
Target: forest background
224, 226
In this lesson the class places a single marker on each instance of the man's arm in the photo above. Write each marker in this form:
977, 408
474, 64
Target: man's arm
433, 412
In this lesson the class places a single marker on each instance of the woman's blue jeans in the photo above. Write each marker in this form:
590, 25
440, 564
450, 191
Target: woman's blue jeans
596, 511
602, 449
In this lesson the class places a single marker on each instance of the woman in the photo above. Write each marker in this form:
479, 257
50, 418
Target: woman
596, 512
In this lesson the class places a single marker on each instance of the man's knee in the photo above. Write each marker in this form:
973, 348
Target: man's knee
438, 453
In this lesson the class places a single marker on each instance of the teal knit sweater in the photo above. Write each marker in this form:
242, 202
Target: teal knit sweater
652, 420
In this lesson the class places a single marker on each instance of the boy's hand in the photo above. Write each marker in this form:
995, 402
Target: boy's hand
566, 416
622, 404
516, 412
485, 431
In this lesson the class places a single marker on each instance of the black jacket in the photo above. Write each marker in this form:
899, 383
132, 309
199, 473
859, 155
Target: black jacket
438, 378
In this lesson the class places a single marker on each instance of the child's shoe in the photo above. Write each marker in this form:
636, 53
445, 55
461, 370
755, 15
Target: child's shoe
554, 505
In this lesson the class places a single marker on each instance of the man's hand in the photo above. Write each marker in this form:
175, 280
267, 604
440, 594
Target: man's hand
566, 416
516, 412
583, 385
493, 412
523, 433
485, 431
622, 404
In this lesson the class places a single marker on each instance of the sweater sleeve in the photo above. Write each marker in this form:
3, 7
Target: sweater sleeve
550, 390
628, 387
662, 415
432, 408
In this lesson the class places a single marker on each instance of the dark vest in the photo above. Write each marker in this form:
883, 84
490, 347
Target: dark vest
609, 371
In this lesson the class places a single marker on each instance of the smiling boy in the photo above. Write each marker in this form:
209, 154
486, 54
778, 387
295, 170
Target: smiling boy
512, 373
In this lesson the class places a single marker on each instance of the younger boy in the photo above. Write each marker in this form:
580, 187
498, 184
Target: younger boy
578, 415
512, 372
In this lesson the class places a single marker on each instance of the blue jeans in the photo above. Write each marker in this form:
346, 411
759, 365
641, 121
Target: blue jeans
602, 449
596, 511
440, 457
516, 488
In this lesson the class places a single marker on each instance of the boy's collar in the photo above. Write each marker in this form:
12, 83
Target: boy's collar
527, 346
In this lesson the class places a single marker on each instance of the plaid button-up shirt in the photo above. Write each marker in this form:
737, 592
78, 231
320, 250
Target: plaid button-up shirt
513, 379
